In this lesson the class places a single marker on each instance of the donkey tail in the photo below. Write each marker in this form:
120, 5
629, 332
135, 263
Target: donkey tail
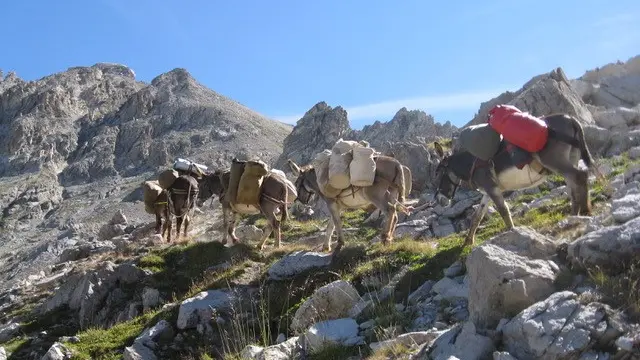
285, 205
585, 154
399, 182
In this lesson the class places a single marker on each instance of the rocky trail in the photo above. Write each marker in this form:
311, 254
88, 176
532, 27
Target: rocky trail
82, 276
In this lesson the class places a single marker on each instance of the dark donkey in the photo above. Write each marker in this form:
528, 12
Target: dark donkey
275, 197
181, 198
564, 149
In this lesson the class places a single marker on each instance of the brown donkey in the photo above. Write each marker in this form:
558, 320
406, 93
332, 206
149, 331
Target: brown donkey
275, 197
386, 194
564, 149
181, 199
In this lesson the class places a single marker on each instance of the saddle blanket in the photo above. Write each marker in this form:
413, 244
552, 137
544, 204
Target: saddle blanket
519, 128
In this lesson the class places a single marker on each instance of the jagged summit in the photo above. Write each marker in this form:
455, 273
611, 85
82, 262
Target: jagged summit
322, 125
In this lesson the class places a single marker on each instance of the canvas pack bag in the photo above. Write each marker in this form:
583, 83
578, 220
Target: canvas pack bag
321, 166
237, 168
249, 187
150, 192
167, 178
362, 170
482, 141
280, 175
341, 157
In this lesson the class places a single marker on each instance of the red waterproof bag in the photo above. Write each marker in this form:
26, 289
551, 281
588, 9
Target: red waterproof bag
519, 128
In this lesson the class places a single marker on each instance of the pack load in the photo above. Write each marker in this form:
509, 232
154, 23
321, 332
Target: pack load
150, 192
167, 178
341, 156
321, 165
250, 182
519, 128
237, 168
279, 174
362, 170
190, 166
482, 141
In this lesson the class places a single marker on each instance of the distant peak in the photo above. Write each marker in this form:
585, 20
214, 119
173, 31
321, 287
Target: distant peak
178, 75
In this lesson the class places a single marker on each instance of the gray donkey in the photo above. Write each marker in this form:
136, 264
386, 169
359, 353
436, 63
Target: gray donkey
181, 198
564, 149
387, 194
275, 197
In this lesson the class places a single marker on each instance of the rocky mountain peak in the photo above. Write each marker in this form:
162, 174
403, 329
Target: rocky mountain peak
175, 76
406, 125
319, 128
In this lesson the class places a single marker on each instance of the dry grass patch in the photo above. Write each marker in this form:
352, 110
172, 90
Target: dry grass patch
622, 290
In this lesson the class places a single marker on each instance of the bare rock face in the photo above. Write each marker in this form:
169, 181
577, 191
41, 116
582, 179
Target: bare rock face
414, 126
318, 129
543, 95
417, 157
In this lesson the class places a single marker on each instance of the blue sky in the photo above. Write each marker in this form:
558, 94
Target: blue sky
371, 57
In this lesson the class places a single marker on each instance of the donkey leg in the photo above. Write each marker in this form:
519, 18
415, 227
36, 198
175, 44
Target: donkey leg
328, 233
502, 207
179, 222
266, 232
225, 224
158, 221
187, 220
478, 215
169, 229
379, 197
334, 208
232, 227
392, 227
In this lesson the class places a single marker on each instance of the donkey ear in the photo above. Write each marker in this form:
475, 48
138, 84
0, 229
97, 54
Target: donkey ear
295, 169
439, 149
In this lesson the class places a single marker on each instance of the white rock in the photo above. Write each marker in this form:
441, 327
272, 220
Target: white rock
251, 352
138, 351
608, 247
411, 339
296, 263
333, 332
454, 269
7, 331
249, 233
502, 282
626, 208
461, 342
557, 326
332, 301
502, 355
634, 153
450, 289
200, 307
525, 241
57, 351
150, 298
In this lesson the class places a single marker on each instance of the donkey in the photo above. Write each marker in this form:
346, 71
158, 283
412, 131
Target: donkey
275, 198
387, 194
181, 198
565, 147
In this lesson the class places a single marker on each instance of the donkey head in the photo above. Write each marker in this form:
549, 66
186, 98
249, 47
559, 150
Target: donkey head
209, 185
305, 182
447, 182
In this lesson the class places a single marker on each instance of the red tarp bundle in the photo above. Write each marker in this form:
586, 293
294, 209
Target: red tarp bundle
521, 129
